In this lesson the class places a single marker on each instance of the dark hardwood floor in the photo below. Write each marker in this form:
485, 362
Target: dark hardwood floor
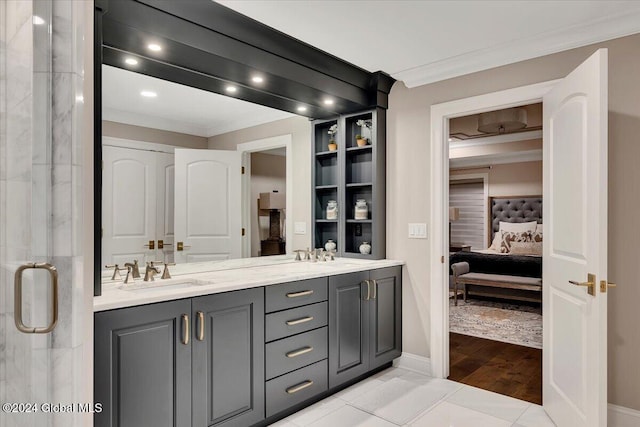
508, 369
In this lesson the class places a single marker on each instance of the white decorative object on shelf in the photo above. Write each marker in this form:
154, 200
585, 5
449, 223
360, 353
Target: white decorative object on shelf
365, 248
332, 209
330, 245
361, 209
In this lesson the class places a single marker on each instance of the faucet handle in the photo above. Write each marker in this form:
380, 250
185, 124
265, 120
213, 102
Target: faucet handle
332, 254
298, 252
116, 271
165, 273
130, 277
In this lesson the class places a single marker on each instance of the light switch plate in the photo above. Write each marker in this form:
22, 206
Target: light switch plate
300, 228
418, 230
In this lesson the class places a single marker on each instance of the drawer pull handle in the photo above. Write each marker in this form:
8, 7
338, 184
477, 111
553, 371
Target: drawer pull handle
298, 321
299, 352
299, 387
185, 329
299, 294
200, 326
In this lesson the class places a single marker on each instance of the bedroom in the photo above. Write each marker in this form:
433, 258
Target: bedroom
495, 223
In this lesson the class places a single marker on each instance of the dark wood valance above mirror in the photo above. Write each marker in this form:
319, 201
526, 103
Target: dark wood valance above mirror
208, 46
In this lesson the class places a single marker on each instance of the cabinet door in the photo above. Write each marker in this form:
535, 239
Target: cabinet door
385, 335
142, 368
348, 327
228, 359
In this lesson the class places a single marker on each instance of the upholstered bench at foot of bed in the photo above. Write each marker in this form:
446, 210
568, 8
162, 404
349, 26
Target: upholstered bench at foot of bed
530, 287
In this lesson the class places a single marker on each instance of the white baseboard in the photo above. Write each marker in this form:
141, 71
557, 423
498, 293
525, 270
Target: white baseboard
413, 362
619, 416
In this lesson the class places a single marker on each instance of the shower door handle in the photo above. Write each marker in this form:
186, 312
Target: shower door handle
17, 309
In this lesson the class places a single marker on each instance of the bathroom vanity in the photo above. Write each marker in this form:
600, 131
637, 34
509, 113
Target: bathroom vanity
242, 342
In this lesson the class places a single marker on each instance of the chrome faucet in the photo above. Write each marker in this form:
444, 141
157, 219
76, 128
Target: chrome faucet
135, 270
150, 272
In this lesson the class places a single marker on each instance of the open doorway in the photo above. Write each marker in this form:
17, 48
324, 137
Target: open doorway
267, 189
495, 251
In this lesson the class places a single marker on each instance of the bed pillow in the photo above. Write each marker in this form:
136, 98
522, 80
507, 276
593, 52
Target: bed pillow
526, 248
518, 226
497, 241
509, 237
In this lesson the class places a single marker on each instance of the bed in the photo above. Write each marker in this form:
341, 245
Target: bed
513, 210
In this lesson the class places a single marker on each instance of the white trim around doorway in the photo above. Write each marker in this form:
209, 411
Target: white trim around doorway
245, 149
439, 265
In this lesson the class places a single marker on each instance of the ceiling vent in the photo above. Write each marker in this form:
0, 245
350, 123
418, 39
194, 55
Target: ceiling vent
502, 121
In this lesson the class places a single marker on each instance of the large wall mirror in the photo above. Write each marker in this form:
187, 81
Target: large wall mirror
172, 183
186, 94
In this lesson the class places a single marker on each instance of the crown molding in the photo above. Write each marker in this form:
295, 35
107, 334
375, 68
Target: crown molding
594, 31
496, 159
496, 139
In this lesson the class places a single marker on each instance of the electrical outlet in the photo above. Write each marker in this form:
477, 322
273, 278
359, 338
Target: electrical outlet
300, 228
418, 230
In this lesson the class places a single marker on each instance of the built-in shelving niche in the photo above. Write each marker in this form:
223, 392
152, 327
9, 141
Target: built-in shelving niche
350, 173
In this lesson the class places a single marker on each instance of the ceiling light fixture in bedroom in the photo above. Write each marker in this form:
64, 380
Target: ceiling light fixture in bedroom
502, 121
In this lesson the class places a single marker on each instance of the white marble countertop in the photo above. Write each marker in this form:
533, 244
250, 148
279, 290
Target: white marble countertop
191, 280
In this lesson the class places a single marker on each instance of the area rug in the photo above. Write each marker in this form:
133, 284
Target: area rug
506, 322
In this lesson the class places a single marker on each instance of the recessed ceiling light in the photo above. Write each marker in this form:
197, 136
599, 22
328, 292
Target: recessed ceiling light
148, 94
257, 79
155, 47
231, 89
131, 61
302, 108
37, 20
328, 101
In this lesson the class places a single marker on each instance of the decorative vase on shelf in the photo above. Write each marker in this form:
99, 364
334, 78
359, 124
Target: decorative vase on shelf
365, 248
361, 141
361, 211
332, 209
332, 145
330, 245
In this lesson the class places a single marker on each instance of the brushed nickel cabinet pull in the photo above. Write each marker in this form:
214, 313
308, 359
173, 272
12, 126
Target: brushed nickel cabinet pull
17, 308
200, 326
375, 289
299, 387
366, 282
298, 321
299, 294
299, 352
185, 329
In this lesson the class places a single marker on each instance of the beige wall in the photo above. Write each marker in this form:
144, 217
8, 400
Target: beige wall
268, 173
408, 182
511, 179
300, 130
139, 133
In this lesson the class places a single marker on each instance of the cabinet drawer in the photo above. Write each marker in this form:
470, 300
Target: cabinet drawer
295, 294
295, 352
296, 387
295, 321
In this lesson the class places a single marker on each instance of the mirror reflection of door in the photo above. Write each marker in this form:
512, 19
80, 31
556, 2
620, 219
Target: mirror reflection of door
145, 120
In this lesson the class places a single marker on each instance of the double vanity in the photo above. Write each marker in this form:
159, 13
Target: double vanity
242, 342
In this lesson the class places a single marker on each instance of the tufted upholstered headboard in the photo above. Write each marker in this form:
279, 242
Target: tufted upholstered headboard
513, 209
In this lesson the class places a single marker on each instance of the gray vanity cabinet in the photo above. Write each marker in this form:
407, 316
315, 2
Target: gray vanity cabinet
365, 322
143, 366
228, 359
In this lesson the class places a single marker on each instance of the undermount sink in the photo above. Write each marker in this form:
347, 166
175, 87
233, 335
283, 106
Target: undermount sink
158, 286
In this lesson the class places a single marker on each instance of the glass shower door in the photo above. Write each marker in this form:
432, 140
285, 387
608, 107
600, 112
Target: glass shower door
28, 280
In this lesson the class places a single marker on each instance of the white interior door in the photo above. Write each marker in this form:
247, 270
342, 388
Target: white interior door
165, 206
575, 246
207, 205
128, 205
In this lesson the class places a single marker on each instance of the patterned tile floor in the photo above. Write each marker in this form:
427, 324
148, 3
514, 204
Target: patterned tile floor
397, 397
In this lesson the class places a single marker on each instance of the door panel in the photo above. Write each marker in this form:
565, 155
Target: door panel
228, 363
575, 245
165, 205
142, 373
129, 205
386, 316
348, 327
207, 204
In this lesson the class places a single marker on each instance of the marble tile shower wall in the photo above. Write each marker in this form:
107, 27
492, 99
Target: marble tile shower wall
41, 107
